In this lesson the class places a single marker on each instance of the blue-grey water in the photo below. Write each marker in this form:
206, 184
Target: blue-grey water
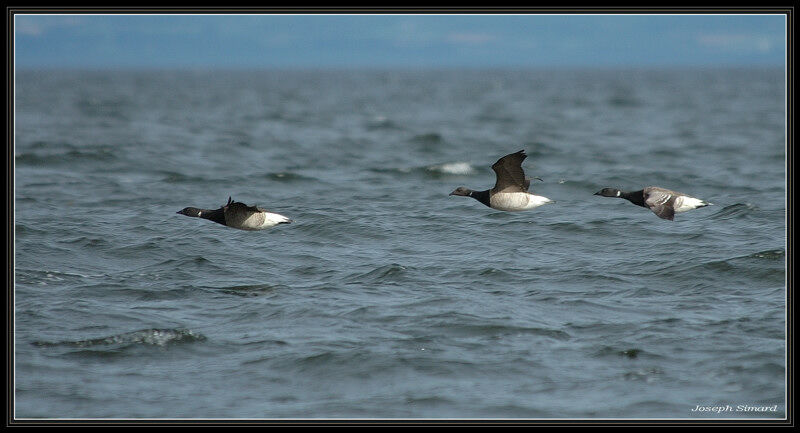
387, 298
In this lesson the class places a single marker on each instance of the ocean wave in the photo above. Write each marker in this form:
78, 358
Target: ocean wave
287, 176
482, 275
622, 100
384, 273
175, 177
446, 169
171, 268
250, 290
427, 139
769, 254
747, 266
650, 374
734, 211
473, 329
147, 337
572, 227
630, 353
68, 157
381, 122
21, 229
46, 277
454, 168
86, 241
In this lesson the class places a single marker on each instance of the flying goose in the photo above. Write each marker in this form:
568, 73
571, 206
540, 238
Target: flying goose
510, 192
238, 215
663, 202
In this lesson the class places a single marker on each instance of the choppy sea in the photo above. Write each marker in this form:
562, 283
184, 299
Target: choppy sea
387, 298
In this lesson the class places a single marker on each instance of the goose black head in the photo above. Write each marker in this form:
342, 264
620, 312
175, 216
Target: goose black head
190, 211
461, 191
609, 192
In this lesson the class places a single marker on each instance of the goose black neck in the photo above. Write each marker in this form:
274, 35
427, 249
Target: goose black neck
481, 196
635, 197
218, 215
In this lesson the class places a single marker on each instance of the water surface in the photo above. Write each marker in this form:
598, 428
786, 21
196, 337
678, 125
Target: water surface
386, 298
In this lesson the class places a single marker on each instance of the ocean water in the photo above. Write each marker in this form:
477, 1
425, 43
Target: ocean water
387, 298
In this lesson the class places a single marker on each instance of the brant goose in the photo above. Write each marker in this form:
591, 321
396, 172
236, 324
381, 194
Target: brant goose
662, 202
510, 192
238, 215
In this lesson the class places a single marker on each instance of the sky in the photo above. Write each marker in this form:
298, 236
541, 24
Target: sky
396, 41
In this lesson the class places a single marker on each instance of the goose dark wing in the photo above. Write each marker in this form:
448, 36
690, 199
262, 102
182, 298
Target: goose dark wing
660, 202
236, 213
665, 212
510, 176
235, 206
241, 207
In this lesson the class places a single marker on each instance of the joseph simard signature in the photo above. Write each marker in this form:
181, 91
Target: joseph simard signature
737, 408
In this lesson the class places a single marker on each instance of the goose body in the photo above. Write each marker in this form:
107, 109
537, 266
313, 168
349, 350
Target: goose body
663, 202
510, 192
516, 201
238, 215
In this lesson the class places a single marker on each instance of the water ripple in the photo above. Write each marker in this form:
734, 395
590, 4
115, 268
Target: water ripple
734, 211
148, 337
